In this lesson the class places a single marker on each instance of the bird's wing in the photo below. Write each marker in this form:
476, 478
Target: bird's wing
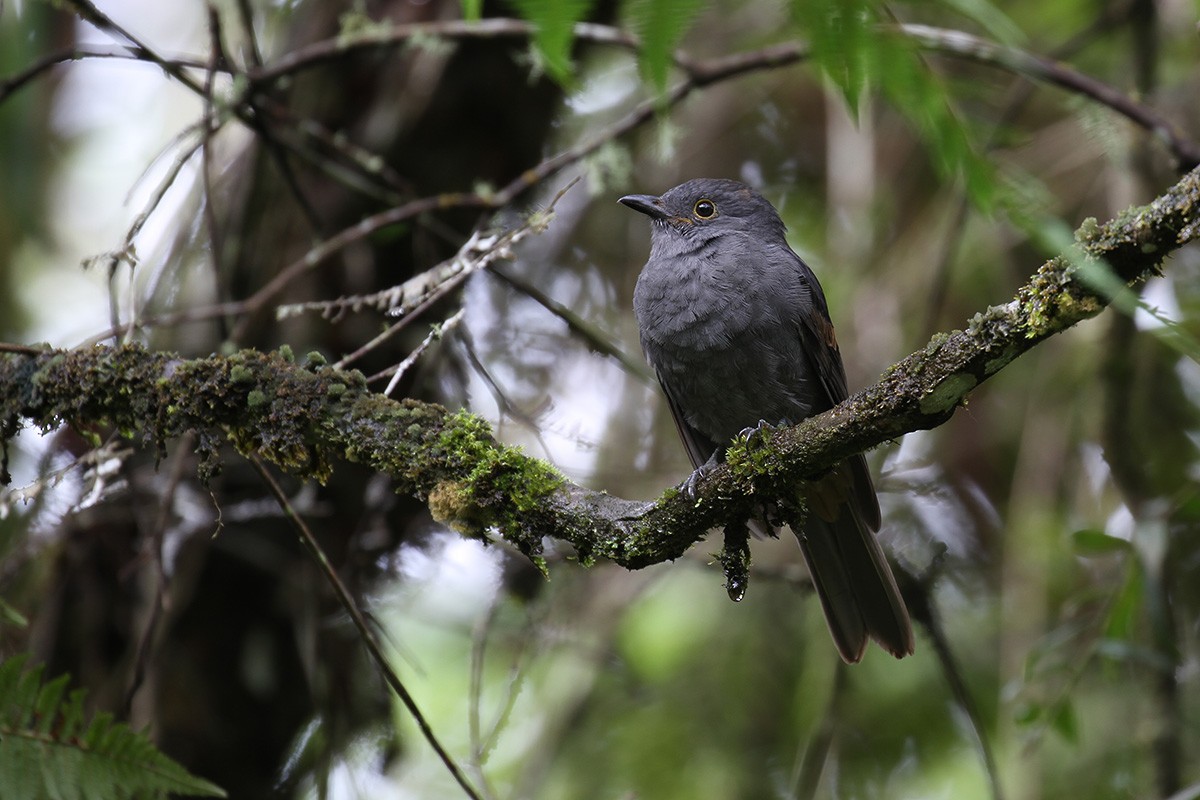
699, 447
821, 347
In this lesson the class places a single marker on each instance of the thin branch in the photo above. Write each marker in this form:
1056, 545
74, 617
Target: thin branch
20, 349
481, 747
504, 406
699, 72
246, 17
595, 338
1017, 97
160, 600
365, 631
311, 55
82, 52
703, 72
211, 126
806, 771
963, 45
435, 333
88, 11
918, 595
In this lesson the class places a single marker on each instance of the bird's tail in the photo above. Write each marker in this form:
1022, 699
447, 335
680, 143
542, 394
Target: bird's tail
855, 585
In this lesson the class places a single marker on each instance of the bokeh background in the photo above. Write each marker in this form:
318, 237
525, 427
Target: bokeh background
1054, 517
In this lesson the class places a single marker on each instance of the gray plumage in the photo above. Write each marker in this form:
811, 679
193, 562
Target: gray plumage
737, 329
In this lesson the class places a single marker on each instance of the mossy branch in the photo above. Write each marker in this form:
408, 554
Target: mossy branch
306, 417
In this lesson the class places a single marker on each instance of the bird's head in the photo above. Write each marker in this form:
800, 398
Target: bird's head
706, 208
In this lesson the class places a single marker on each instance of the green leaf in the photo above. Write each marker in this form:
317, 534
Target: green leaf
994, 22
855, 50
42, 755
1125, 613
472, 10
1064, 721
1028, 714
1090, 542
661, 25
45, 709
840, 38
12, 616
554, 31
920, 94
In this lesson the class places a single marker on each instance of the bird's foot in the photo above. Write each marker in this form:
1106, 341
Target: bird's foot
693, 482
754, 433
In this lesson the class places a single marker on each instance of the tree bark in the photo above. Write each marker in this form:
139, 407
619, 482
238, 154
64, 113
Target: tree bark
306, 417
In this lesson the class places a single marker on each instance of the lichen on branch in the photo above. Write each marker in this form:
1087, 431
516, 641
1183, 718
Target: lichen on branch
306, 417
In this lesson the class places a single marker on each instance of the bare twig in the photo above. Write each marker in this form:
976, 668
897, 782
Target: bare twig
918, 595
320, 52
506, 407
211, 125
84, 52
963, 45
807, 769
160, 600
365, 631
20, 349
88, 11
253, 54
436, 333
595, 338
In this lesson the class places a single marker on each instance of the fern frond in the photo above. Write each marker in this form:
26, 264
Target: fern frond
49, 751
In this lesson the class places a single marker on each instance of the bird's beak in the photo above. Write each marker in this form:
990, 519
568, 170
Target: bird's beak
647, 204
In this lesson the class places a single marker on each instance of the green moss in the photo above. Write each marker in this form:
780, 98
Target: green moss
1039, 301
1089, 231
750, 456
503, 486
450, 505
1078, 307
262, 404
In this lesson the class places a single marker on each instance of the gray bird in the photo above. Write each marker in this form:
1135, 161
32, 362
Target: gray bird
736, 327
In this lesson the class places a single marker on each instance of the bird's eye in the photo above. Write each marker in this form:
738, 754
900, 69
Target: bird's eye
705, 209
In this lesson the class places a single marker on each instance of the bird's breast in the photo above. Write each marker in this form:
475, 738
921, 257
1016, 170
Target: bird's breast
728, 356
699, 308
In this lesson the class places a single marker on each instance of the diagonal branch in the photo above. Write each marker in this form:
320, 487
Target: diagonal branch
306, 417
374, 647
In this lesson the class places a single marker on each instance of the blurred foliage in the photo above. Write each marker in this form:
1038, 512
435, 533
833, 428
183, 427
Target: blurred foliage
660, 24
554, 26
1054, 521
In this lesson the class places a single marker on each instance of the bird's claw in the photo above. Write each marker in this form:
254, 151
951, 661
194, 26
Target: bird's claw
757, 431
693, 481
